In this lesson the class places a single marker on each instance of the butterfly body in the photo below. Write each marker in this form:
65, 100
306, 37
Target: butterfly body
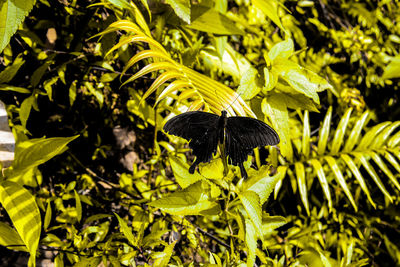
204, 131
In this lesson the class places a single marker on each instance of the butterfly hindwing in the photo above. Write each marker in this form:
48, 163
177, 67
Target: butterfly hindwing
243, 134
200, 129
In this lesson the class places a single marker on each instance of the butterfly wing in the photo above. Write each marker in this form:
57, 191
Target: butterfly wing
243, 134
200, 129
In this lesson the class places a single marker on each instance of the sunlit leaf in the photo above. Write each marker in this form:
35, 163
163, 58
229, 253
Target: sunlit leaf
24, 213
12, 14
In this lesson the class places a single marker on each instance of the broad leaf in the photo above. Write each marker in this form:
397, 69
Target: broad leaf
33, 152
12, 14
193, 200
24, 213
181, 9
209, 20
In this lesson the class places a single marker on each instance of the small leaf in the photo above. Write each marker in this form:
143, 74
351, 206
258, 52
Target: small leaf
324, 132
392, 70
25, 110
322, 180
261, 183
251, 203
10, 71
251, 243
352, 140
250, 84
305, 142
339, 177
354, 169
5, 87
301, 182
275, 108
209, 20
362, 158
340, 131
270, 9
193, 200
78, 206
270, 223
126, 230
181, 172
164, 257
181, 9
282, 50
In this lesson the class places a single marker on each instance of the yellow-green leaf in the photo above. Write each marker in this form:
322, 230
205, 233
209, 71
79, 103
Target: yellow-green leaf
324, 132
24, 213
12, 14
339, 177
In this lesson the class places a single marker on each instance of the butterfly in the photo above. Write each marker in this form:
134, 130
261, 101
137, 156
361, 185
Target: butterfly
204, 131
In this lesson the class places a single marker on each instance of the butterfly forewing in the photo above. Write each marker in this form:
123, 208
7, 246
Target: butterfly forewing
201, 130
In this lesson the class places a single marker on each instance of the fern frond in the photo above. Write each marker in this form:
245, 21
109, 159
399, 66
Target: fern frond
201, 90
376, 150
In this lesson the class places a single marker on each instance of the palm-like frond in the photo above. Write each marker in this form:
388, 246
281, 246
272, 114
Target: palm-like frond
200, 89
347, 152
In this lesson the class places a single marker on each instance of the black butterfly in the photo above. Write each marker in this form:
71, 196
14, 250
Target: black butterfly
203, 130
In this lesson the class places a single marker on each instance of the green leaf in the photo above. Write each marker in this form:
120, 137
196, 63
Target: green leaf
339, 177
25, 110
181, 9
324, 132
72, 93
24, 213
10, 71
295, 100
281, 50
33, 152
5, 87
181, 172
392, 70
12, 14
48, 86
163, 258
193, 200
270, 9
363, 159
47, 216
10, 238
270, 223
275, 108
300, 79
126, 230
340, 131
250, 84
209, 20
305, 141
251, 203
251, 243
78, 206
301, 182
352, 140
322, 180
352, 166
261, 183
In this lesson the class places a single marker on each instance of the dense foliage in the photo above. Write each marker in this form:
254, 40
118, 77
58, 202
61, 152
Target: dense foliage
89, 177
